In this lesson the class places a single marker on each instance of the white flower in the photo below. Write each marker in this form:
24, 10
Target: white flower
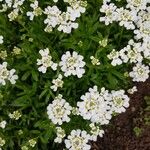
140, 73
13, 15
126, 18
2, 142
95, 106
72, 64
55, 1
94, 61
78, 140
78, 6
36, 10
64, 20
15, 115
59, 110
120, 101
143, 31
24, 147
3, 54
8, 2
60, 135
123, 55
66, 27
45, 61
136, 4
53, 16
95, 131
114, 56
4, 8
132, 90
73, 13
103, 42
66, 23
134, 54
32, 142
16, 50
110, 13
3, 124
12, 78
4, 73
1, 39
75, 111
57, 83
146, 49
31, 15
18, 3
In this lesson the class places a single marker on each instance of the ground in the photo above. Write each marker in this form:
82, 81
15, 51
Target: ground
129, 130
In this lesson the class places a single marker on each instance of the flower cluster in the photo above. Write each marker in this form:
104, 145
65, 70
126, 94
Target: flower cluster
132, 90
2, 142
94, 61
69, 64
46, 61
14, 5
95, 107
36, 10
15, 115
99, 107
16, 51
64, 20
3, 124
136, 17
95, 131
120, 101
57, 83
6, 74
140, 72
1, 39
59, 110
3, 55
60, 135
78, 140
32, 142
72, 64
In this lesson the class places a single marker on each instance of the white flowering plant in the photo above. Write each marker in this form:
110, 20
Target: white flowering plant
67, 67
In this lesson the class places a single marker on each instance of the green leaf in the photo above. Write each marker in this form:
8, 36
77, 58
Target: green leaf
34, 75
26, 75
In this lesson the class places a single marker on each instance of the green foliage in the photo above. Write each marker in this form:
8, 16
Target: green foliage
137, 131
147, 110
32, 94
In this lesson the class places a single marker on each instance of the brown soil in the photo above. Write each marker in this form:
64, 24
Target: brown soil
119, 135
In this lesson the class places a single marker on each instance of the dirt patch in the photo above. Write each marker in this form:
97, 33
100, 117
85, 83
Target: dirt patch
119, 135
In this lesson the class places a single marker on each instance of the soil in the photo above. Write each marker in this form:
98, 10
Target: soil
119, 135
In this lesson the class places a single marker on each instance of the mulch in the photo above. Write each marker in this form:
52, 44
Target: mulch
119, 135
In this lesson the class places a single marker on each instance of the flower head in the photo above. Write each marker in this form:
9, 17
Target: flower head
6, 74
3, 124
60, 135
59, 110
140, 73
72, 64
120, 101
95, 131
32, 142
78, 140
45, 61
95, 106
57, 83
1, 39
